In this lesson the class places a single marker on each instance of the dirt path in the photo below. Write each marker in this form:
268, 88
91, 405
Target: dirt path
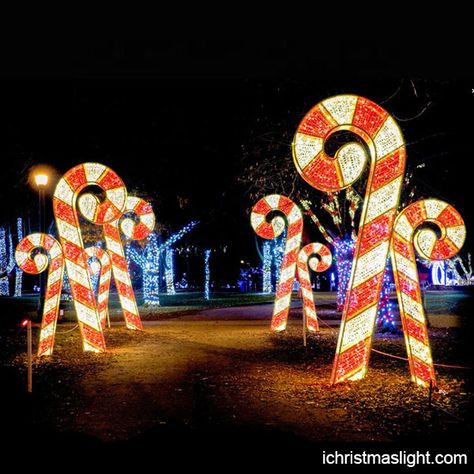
202, 374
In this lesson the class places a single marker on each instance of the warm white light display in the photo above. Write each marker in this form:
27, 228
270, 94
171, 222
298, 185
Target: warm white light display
406, 237
386, 151
53, 259
293, 223
385, 147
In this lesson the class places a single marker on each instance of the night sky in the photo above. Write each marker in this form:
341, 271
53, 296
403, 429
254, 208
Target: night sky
180, 123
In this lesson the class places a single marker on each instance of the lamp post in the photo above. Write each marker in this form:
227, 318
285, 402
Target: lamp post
41, 180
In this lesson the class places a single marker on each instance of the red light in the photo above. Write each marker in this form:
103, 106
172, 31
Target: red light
25, 322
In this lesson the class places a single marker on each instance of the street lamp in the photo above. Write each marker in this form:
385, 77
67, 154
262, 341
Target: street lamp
41, 180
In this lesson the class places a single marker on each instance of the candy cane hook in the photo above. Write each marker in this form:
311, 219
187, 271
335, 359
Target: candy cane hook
137, 222
319, 258
65, 201
38, 264
385, 146
271, 230
405, 238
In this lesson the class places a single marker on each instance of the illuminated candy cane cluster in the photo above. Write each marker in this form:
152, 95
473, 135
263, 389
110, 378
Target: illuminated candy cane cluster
271, 230
104, 268
317, 257
383, 142
34, 264
136, 228
65, 202
132, 215
405, 238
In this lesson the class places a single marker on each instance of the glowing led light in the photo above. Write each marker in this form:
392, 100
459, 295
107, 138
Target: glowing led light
28, 263
18, 270
267, 268
271, 230
137, 222
207, 274
41, 179
169, 272
149, 262
317, 257
406, 275
386, 151
100, 269
66, 199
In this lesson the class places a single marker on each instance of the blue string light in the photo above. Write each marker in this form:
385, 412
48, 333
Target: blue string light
18, 270
148, 260
207, 274
169, 271
267, 267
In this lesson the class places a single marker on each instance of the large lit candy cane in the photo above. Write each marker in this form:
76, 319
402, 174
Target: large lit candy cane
317, 257
405, 238
271, 230
137, 223
384, 144
100, 257
66, 199
38, 264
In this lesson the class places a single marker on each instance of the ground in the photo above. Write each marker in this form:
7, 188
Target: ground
219, 376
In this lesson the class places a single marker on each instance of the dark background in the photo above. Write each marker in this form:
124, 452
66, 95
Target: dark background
180, 122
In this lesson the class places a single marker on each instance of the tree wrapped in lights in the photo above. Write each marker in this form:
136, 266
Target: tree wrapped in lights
18, 270
169, 271
148, 260
267, 267
7, 260
207, 274
273, 252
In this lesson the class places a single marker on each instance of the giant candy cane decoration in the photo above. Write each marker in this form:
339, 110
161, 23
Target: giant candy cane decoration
38, 263
405, 237
386, 147
271, 230
135, 229
317, 257
66, 199
105, 270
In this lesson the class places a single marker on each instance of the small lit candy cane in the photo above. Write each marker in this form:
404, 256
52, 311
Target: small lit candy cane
66, 198
100, 257
137, 223
404, 239
38, 264
271, 230
386, 148
317, 257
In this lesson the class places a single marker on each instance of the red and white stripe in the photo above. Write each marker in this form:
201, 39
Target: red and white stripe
99, 262
137, 223
386, 148
271, 230
319, 258
405, 238
38, 264
66, 197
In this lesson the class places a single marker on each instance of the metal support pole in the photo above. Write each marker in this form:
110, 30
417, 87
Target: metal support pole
30, 356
